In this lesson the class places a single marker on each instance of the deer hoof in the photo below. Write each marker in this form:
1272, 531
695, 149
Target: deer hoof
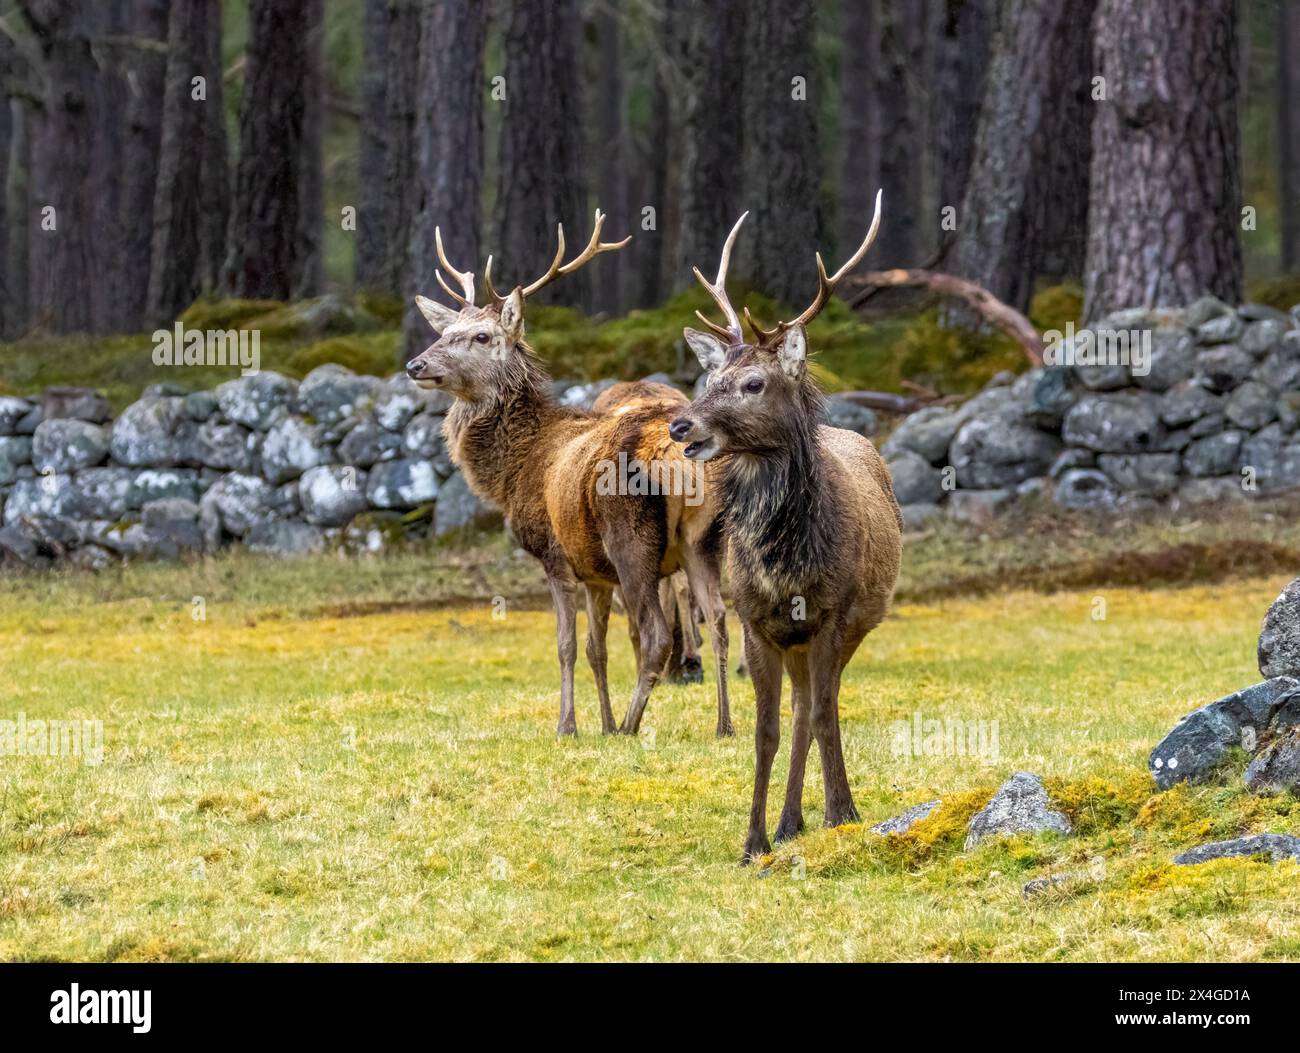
755, 849
690, 671
726, 731
788, 828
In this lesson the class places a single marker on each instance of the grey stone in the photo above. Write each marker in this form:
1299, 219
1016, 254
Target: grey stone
64, 445
903, 822
290, 447
12, 410
1126, 422
1205, 309
1047, 393
1085, 489
256, 401
1276, 846
15, 451
201, 405
1071, 457
174, 523
1188, 402
398, 401
157, 484
162, 390
1252, 406
1279, 371
50, 496
169, 510
1275, 769
368, 443
402, 484
1279, 638
100, 493
147, 433
332, 494
1222, 368
228, 447
1198, 743
928, 432
582, 396
1264, 336
1153, 474
1222, 329
285, 537
992, 452
1258, 312
423, 440
459, 508
74, 403
1214, 455
977, 507
1211, 491
915, 480
846, 414
331, 393
1211, 425
1021, 806
1173, 360
237, 501
917, 516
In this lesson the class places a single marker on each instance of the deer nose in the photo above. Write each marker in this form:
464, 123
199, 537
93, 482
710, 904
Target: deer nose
680, 428
413, 368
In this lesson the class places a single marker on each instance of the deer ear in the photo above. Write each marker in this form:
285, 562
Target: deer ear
707, 347
436, 314
512, 314
792, 352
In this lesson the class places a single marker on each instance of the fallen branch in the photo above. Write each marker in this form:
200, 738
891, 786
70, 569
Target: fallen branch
989, 307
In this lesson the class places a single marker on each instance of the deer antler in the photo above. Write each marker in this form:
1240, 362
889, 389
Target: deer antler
825, 287
594, 248
731, 332
466, 278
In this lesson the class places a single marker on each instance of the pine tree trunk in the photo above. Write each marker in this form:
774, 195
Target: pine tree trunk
1024, 208
899, 144
263, 238
959, 63
371, 246
448, 155
402, 101
189, 166
18, 208
1288, 90
311, 181
214, 185
782, 166
140, 175
649, 258
712, 136
859, 121
1165, 203
612, 178
542, 180
7, 320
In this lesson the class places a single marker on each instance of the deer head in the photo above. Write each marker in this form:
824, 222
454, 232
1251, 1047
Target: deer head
481, 350
752, 385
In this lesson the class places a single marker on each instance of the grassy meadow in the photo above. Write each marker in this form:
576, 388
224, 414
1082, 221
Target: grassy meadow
338, 759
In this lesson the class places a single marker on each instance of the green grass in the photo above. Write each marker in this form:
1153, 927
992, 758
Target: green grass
334, 764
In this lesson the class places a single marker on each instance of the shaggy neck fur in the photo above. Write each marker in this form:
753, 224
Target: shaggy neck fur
778, 509
494, 438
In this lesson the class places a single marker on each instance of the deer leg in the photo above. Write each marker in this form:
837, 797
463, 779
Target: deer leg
705, 584
791, 822
765, 668
564, 592
825, 665
683, 665
599, 598
633, 636
642, 597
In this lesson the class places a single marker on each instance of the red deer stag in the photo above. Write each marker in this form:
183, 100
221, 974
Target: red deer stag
813, 532
545, 466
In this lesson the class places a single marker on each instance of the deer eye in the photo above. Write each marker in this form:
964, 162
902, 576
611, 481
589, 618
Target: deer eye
753, 386
482, 338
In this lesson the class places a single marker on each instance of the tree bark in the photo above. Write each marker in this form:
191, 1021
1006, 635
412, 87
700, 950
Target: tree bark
959, 58
898, 147
1165, 204
263, 259
191, 165
712, 137
654, 169
17, 208
1024, 210
402, 112
612, 176
541, 178
371, 244
448, 154
147, 86
859, 121
782, 165
311, 181
1288, 59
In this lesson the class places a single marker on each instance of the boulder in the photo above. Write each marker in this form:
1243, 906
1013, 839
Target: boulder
1211, 491
993, 452
423, 440
74, 403
920, 515
64, 445
156, 484
237, 502
1279, 639
256, 401
174, 522
1199, 742
977, 507
1251, 406
1214, 455
927, 432
1188, 402
1046, 395
1126, 422
1173, 361
1221, 329
1085, 489
402, 484
847, 414
1275, 769
12, 410
331, 393
583, 395
15, 451
1153, 474
1223, 368
903, 822
459, 508
148, 434
332, 494
1276, 846
50, 496
915, 479
201, 405
1021, 806
100, 493
226, 447
285, 537
368, 443
292, 446
1264, 336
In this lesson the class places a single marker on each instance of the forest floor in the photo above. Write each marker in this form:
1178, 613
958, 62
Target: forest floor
355, 759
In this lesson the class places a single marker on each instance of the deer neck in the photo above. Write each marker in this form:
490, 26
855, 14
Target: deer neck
781, 513
495, 441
